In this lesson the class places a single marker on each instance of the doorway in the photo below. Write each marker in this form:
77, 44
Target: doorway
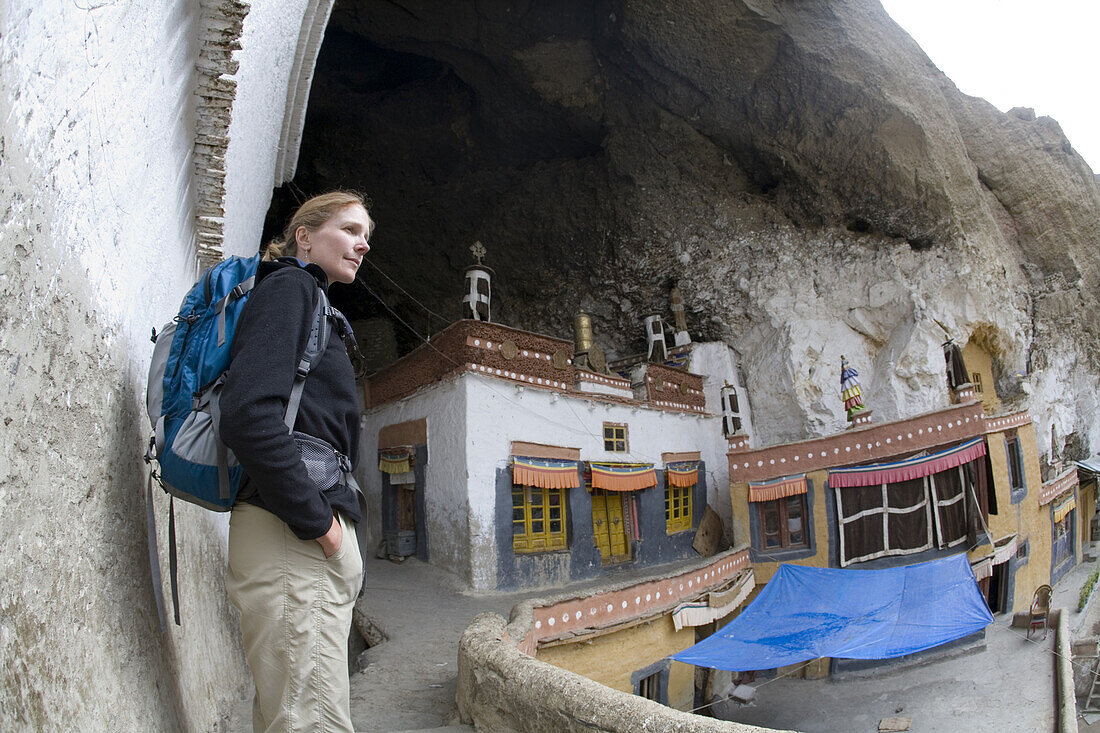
611, 524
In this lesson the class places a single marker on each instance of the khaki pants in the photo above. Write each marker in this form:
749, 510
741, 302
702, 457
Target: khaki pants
296, 608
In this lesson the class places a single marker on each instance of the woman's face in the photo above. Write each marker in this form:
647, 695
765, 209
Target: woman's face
338, 245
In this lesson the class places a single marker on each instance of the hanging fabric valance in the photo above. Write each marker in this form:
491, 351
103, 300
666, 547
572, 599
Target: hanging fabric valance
685, 473
623, 476
545, 473
778, 489
395, 460
1064, 508
911, 468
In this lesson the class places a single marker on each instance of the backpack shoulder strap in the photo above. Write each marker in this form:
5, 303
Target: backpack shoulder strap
315, 347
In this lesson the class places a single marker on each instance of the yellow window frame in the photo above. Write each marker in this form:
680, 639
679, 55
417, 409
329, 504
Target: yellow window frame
614, 438
677, 507
538, 519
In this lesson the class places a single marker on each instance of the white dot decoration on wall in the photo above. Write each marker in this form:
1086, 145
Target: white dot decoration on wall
550, 620
538, 624
624, 604
610, 608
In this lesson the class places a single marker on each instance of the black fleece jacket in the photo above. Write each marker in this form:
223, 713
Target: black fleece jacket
267, 346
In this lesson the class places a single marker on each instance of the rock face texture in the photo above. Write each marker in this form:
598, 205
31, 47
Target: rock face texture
812, 182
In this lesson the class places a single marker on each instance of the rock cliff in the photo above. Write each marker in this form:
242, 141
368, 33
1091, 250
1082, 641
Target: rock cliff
812, 182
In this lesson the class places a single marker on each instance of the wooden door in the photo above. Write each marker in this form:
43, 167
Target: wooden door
406, 507
609, 526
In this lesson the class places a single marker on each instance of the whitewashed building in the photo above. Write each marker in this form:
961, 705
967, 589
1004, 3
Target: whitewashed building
498, 459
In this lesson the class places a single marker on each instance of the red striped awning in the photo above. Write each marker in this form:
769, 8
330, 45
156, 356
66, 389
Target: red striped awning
545, 473
623, 476
682, 474
778, 489
911, 468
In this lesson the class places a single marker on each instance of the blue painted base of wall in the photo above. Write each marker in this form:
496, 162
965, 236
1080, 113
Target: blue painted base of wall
582, 561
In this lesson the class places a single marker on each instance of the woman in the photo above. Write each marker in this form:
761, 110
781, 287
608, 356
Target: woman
294, 565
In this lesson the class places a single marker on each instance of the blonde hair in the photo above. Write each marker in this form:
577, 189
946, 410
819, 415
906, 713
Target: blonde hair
312, 215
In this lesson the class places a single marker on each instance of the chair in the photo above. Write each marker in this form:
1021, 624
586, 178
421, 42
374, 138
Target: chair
1040, 606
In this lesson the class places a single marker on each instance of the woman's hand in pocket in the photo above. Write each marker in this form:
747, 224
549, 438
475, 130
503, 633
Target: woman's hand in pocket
330, 541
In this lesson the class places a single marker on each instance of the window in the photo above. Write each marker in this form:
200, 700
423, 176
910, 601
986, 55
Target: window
904, 517
677, 507
783, 523
731, 411
650, 687
652, 681
614, 437
538, 519
976, 380
1015, 462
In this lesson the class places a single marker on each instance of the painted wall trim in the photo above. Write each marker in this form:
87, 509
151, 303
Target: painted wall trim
410, 432
540, 450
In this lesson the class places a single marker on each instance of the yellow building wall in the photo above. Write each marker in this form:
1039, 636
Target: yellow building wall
631, 649
1027, 520
762, 569
978, 360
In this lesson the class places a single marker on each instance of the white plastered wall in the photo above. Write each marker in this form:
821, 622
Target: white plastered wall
472, 421
443, 406
499, 413
98, 248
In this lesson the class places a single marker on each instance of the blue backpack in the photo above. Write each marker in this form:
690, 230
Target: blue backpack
188, 369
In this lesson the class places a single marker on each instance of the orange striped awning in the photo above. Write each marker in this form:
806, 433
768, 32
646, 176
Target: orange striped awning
778, 489
545, 473
623, 476
682, 474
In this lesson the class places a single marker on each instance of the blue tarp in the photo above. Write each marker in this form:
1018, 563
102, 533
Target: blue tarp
805, 613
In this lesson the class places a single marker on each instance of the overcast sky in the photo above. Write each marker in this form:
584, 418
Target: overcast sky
1017, 53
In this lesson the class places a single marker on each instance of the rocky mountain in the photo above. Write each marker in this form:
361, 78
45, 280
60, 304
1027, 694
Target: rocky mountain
803, 171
